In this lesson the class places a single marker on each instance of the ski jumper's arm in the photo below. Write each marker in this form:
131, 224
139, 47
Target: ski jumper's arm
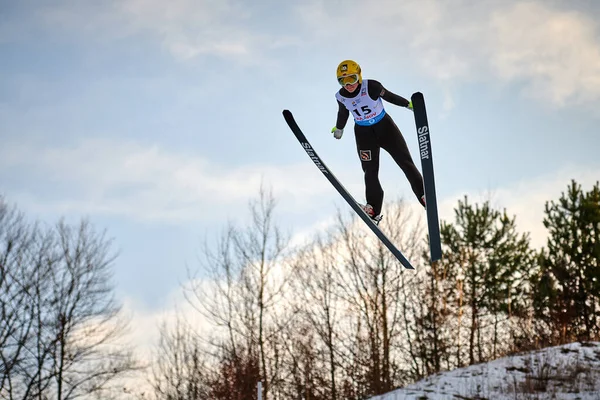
376, 90
342, 116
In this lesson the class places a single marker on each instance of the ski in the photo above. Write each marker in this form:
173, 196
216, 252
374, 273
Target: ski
289, 118
435, 245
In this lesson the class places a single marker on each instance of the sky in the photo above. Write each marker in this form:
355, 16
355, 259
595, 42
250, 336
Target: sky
159, 121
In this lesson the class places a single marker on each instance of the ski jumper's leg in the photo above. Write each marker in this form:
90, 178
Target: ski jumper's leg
393, 142
367, 145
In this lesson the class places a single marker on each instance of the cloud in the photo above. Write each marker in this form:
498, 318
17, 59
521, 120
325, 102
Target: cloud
187, 29
149, 183
145, 182
553, 53
558, 52
190, 28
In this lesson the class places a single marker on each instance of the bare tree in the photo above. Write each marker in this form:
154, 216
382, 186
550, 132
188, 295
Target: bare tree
245, 286
85, 318
315, 288
372, 284
431, 311
305, 364
64, 330
17, 284
179, 371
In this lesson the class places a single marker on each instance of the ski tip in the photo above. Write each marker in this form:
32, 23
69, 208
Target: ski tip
289, 118
416, 95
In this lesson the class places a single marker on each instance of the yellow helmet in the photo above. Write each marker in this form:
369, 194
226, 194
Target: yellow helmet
348, 73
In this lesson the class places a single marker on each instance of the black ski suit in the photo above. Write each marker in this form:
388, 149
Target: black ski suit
383, 134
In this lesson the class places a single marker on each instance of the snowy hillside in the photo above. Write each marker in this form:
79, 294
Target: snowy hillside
564, 372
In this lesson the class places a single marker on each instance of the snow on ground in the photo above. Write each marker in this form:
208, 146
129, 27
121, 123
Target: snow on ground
568, 372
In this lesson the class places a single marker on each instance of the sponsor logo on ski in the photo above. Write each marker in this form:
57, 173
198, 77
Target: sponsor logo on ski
342, 191
423, 133
309, 150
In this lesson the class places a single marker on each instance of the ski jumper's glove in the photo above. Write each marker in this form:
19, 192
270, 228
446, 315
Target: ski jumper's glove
410, 106
337, 133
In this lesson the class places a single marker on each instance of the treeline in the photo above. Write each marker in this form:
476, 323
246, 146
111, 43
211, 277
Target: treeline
338, 318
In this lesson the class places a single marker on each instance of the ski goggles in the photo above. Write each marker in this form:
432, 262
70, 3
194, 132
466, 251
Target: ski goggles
348, 79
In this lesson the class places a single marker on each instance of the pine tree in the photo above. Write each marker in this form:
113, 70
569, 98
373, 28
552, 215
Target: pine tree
568, 295
491, 261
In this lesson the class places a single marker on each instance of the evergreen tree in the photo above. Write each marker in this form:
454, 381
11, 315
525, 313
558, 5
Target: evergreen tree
490, 263
568, 294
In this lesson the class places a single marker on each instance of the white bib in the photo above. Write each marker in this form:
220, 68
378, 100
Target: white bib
363, 108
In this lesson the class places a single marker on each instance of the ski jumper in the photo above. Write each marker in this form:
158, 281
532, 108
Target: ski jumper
374, 129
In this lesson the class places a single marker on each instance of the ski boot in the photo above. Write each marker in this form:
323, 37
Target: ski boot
368, 209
